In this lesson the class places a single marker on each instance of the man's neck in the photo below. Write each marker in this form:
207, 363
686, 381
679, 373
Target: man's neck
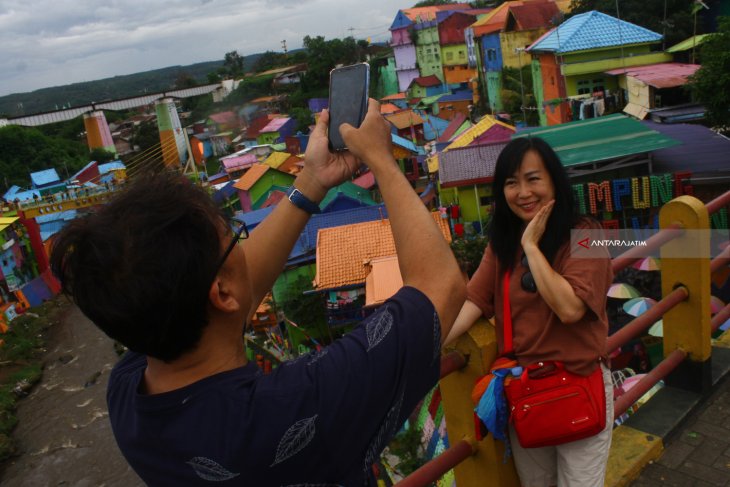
213, 355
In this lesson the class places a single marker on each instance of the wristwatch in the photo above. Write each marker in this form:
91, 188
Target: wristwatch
300, 201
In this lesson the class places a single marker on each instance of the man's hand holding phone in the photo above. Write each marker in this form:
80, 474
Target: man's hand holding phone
371, 143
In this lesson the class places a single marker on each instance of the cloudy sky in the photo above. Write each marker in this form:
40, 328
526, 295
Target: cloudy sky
55, 42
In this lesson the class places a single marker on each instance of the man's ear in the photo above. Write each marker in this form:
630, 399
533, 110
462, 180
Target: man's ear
221, 297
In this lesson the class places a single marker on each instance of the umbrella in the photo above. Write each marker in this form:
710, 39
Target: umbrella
648, 264
622, 290
716, 304
657, 329
638, 306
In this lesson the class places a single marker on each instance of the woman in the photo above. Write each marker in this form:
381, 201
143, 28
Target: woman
558, 301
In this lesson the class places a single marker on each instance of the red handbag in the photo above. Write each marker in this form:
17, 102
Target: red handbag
549, 405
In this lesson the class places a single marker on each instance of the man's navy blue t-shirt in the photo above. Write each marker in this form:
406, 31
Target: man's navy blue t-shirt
319, 420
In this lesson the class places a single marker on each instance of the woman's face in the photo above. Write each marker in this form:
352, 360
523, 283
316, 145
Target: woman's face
529, 188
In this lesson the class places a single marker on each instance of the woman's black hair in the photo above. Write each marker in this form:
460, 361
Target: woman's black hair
505, 228
140, 267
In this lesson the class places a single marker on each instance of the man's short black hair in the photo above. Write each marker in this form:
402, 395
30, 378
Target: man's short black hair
141, 266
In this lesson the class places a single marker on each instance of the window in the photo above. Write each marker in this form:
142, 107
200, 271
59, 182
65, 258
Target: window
449, 56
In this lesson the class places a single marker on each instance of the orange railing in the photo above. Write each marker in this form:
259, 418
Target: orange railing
453, 361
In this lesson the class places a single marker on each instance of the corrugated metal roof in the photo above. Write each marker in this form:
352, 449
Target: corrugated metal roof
662, 75
246, 181
275, 125
405, 143
47, 176
433, 126
10, 194
701, 151
475, 131
427, 81
234, 163
253, 218
600, 139
383, 281
494, 21
404, 118
349, 189
276, 159
456, 122
465, 95
343, 251
533, 15
111, 166
592, 30
687, 44
474, 162
366, 181
308, 238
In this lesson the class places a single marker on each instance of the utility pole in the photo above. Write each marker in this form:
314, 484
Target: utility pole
283, 45
522, 85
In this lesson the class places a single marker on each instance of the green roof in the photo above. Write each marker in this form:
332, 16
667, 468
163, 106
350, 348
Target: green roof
349, 189
428, 100
687, 44
600, 139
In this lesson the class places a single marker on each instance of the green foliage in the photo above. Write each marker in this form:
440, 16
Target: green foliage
306, 310
146, 135
270, 60
324, 55
21, 366
677, 27
101, 155
24, 150
233, 64
406, 445
431, 3
304, 118
710, 83
469, 252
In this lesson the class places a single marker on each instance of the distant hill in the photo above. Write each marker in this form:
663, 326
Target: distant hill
76, 94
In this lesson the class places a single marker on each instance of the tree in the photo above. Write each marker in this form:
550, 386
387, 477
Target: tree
270, 60
710, 83
101, 155
233, 64
431, 3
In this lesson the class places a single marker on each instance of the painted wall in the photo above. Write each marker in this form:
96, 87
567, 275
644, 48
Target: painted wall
267, 138
459, 74
538, 90
428, 52
174, 148
571, 68
510, 41
267, 181
388, 80
553, 87
494, 90
491, 52
454, 54
469, 201
448, 109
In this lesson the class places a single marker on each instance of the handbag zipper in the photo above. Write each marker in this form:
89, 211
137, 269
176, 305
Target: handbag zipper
525, 407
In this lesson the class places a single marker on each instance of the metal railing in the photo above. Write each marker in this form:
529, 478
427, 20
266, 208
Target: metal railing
454, 360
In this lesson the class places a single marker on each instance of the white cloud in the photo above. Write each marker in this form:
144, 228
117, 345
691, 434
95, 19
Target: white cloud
50, 43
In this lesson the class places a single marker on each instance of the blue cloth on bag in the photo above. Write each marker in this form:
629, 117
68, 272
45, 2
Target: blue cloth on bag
492, 407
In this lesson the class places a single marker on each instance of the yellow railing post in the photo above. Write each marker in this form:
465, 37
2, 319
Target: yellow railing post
685, 261
486, 466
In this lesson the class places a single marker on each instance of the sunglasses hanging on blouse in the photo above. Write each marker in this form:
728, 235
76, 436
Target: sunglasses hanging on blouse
527, 281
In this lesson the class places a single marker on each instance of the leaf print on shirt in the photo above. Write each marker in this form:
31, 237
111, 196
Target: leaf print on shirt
378, 328
207, 469
315, 358
296, 437
387, 429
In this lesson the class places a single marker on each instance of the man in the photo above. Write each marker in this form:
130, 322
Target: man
158, 270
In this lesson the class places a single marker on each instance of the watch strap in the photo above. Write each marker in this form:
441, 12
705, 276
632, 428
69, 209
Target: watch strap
298, 199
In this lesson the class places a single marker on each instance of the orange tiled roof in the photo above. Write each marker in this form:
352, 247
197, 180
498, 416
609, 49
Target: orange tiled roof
386, 108
383, 281
404, 118
342, 252
397, 96
290, 165
246, 181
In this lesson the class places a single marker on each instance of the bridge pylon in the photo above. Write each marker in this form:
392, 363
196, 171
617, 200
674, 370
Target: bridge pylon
172, 138
98, 135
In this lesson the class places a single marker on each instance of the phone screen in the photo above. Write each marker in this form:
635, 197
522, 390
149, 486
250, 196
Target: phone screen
348, 100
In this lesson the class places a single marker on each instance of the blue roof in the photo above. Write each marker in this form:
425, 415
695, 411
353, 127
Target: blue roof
51, 224
457, 96
433, 126
593, 30
405, 143
10, 194
110, 166
225, 192
47, 176
253, 218
26, 195
401, 20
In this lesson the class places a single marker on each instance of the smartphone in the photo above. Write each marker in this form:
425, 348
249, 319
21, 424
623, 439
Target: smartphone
348, 100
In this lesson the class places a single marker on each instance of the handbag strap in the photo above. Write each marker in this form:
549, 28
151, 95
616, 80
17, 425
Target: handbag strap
506, 315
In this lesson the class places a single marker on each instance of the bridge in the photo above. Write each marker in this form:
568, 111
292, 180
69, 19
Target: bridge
98, 134
692, 367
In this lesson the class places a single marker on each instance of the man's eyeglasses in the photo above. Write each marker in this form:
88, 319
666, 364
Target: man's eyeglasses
240, 232
527, 281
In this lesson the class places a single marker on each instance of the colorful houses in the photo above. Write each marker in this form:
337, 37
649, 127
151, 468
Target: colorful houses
570, 63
